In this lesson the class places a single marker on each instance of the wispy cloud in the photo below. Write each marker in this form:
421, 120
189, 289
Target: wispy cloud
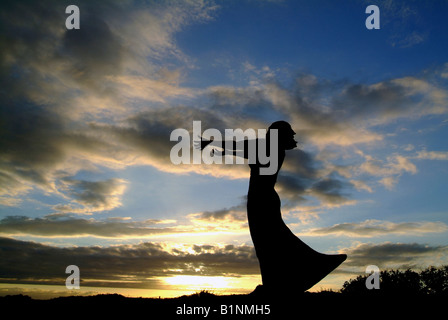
377, 228
389, 182
432, 155
407, 26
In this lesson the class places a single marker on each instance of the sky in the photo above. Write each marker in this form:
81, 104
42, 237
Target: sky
86, 115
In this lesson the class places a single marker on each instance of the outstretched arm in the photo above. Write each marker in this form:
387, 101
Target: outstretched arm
237, 148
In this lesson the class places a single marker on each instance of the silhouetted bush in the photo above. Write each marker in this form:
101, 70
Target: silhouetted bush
431, 281
435, 280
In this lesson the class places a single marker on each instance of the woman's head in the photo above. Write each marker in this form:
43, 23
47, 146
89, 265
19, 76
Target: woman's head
285, 135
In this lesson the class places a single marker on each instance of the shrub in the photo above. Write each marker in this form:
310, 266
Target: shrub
433, 281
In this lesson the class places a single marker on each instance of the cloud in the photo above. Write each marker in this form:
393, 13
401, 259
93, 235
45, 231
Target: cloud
66, 227
361, 185
377, 228
330, 190
389, 170
143, 265
138, 87
137, 266
395, 255
292, 188
389, 182
444, 72
34, 145
313, 121
432, 155
144, 139
92, 196
65, 224
343, 113
11, 187
233, 220
385, 101
303, 163
407, 27
234, 213
97, 97
411, 40
60, 86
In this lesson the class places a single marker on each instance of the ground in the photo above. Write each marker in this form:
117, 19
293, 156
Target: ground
210, 306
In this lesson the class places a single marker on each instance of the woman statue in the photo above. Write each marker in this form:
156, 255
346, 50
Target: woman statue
286, 262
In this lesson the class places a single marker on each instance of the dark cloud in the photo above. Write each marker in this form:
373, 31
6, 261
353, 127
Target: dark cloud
93, 192
47, 62
92, 195
235, 213
293, 188
395, 255
151, 130
304, 177
93, 51
330, 190
29, 262
385, 101
302, 163
66, 226
32, 141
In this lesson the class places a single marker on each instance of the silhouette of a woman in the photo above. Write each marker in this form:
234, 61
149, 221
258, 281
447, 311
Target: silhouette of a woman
286, 262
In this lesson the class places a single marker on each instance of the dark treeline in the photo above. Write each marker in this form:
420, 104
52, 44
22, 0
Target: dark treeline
430, 281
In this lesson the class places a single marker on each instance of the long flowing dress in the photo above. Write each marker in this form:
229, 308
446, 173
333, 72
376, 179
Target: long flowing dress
286, 262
